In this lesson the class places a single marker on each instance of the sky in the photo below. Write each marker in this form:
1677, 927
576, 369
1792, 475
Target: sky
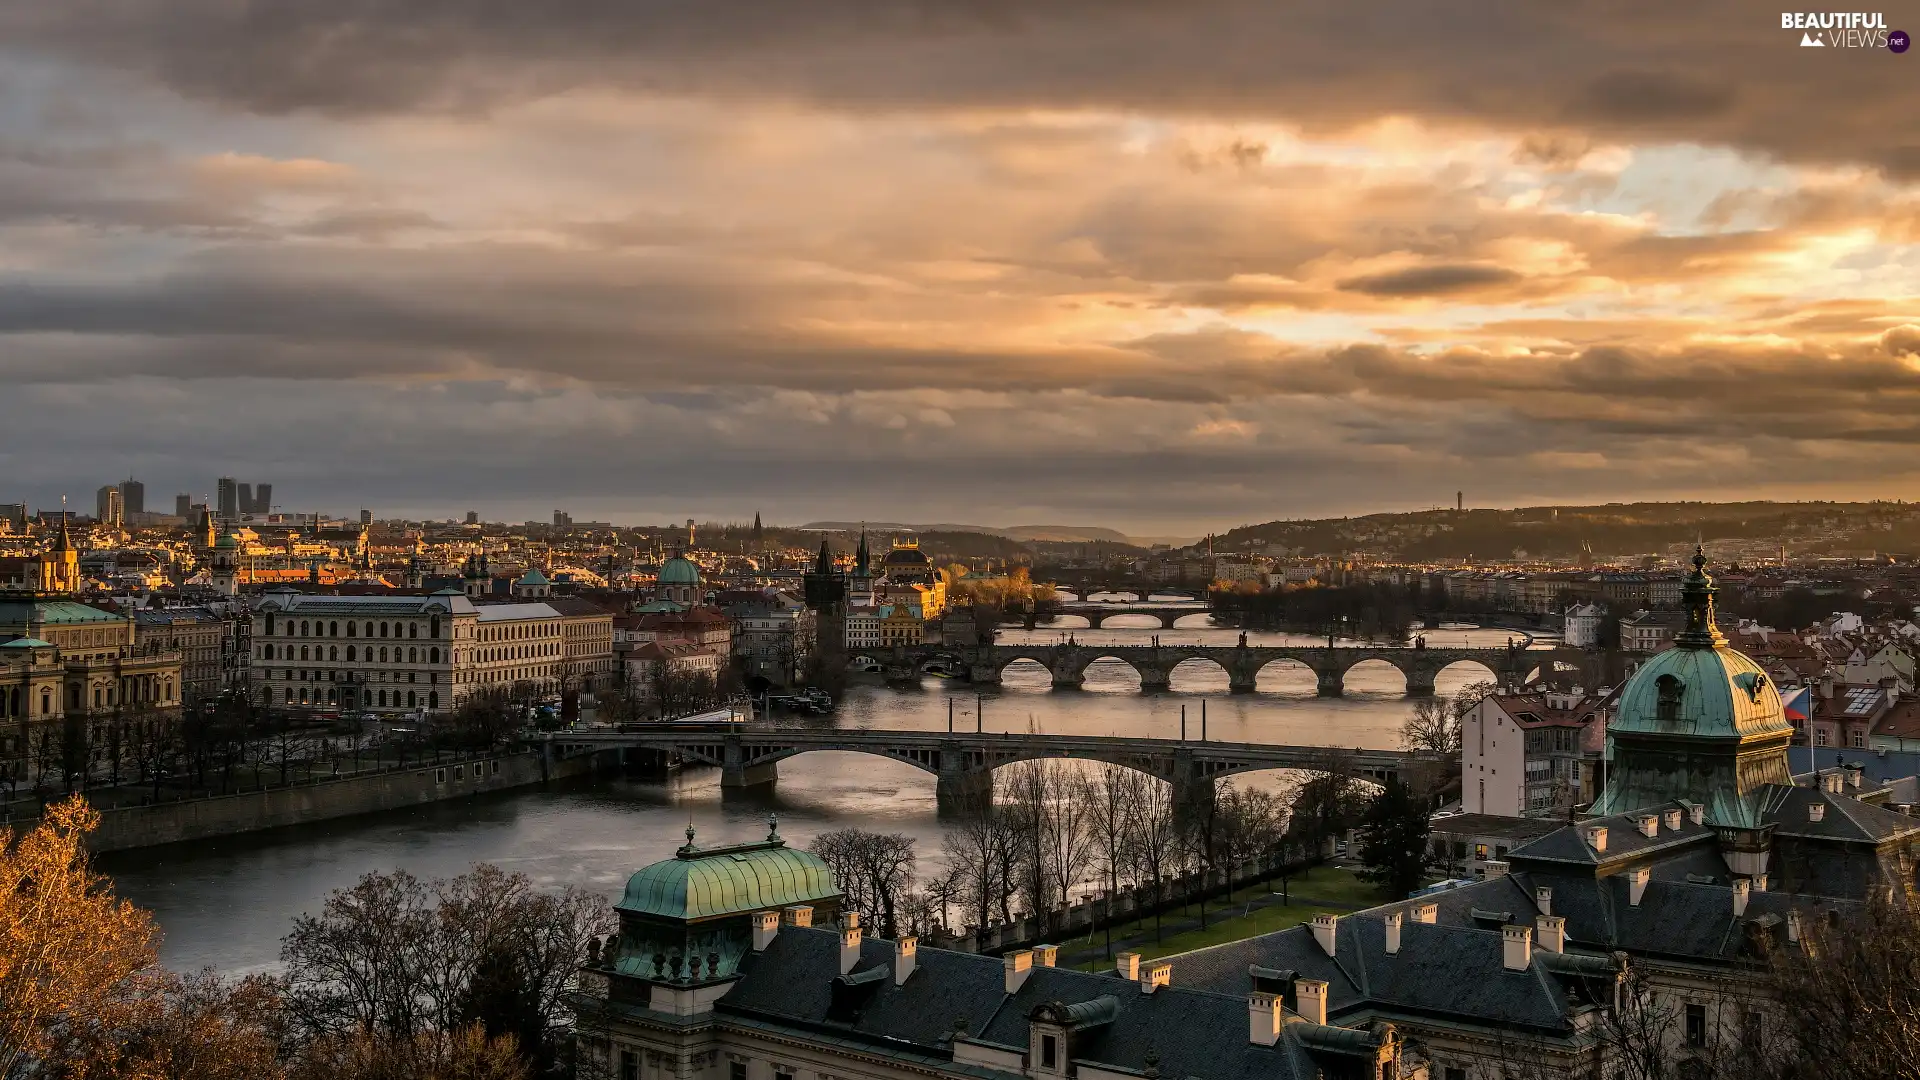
1160, 267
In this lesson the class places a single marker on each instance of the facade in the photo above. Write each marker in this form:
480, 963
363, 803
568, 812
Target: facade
384, 654
901, 624
910, 578
1647, 631
59, 658
197, 634
1583, 623
730, 965
586, 636
1526, 754
863, 628
774, 636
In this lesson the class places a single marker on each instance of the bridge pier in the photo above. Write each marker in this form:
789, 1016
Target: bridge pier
984, 672
1192, 792
1067, 676
1155, 677
1420, 683
1330, 683
737, 772
1168, 619
1094, 620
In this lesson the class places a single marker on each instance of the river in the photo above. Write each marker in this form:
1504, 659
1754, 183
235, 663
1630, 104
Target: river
226, 903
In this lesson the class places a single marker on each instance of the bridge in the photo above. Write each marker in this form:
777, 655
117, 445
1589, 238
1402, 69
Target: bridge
1068, 662
1096, 614
749, 755
1140, 590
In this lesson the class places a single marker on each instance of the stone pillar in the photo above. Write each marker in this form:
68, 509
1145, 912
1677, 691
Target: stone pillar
1331, 683
1420, 683
1192, 792
1155, 677
961, 789
1243, 673
1067, 673
737, 773
984, 671
1169, 618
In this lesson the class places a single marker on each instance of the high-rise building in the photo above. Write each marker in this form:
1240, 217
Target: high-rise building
473, 517
246, 498
263, 499
562, 519
228, 500
366, 517
133, 497
108, 506
182, 505
14, 514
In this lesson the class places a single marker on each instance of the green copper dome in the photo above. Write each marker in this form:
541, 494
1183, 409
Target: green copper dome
679, 570
733, 880
1714, 693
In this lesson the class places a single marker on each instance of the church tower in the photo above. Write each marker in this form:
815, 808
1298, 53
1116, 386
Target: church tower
225, 565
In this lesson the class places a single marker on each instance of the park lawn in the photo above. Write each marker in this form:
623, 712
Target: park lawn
1333, 884
1264, 920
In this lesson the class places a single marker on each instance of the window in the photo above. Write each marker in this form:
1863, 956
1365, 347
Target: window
782, 1074
1820, 737
1049, 1051
439, 776
1859, 739
629, 1065
1455, 1072
1696, 1025
736, 1070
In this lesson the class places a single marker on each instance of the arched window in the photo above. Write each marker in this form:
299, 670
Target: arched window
433, 699
303, 652
383, 697
333, 652
413, 629
349, 650
303, 628
433, 656
369, 630
413, 656
333, 697
383, 629
269, 622
433, 626
411, 702
266, 652
351, 627
383, 654
1670, 690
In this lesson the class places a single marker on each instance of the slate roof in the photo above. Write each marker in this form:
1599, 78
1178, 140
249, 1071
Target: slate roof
1625, 842
1185, 1032
1844, 818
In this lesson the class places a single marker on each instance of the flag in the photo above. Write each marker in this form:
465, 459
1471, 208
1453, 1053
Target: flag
1797, 704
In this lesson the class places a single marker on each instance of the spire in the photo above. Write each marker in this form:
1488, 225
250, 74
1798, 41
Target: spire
1696, 595
860, 553
825, 566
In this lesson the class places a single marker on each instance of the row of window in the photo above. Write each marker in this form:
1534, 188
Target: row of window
331, 628
286, 652
382, 698
304, 675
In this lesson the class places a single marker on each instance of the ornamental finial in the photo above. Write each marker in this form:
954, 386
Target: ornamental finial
773, 826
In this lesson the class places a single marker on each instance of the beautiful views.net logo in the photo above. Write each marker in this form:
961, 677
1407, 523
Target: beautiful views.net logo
1844, 30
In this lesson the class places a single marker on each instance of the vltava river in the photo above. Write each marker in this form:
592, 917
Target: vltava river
226, 903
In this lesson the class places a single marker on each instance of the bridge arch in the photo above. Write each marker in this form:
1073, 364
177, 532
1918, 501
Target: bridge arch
1078, 670
1200, 674
1286, 675
1458, 673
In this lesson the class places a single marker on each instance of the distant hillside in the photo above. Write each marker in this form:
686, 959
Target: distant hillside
1617, 528
1055, 534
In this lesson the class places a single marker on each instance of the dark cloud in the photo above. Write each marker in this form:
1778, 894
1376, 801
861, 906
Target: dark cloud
1718, 72
1430, 281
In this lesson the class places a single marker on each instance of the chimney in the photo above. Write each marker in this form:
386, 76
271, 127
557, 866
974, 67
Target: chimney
1854, 773
1044, 955
1648, 824
1671, 818
1543, 899
1517, 946
1832, 782
1127, 964
1759, 883
1310, 999
1637, 880
849, 942
1017, 965
1496, 868
1740, 887
1393, 932
1597, 838
1697, 813
1263, 1018
798, 915
904, 961
1428, 913
1324, 926
1156, 974
1551, 931
1793, 925
765, 925
1816, 811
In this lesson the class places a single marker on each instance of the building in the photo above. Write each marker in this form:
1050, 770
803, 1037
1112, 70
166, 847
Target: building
1583, 624
774, 636
133, 497
586, 644
197, 634
902, 625
380, 653
863, 628
679, 582
1647, 631
54, 571
183, 506
910, 578
109, 509
730, 962
1528, 754
100, 670
1464, 845
227, 499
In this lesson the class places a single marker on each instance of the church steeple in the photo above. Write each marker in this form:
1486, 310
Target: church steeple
860, 554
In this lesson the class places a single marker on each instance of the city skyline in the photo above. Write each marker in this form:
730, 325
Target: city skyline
1260, 263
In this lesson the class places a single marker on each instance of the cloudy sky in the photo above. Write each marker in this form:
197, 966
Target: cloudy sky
1163, 267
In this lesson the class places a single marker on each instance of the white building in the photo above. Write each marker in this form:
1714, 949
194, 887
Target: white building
1583, 622
1521, 754
863, 628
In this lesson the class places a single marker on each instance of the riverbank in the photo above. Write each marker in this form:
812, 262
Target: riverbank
322, 799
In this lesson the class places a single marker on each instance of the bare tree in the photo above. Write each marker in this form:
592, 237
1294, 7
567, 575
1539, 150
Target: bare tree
1154, 843
975, 849
875, 870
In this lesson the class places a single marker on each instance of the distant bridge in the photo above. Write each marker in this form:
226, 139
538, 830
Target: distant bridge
1068, 663
749, 756
1140, 590
1096, 614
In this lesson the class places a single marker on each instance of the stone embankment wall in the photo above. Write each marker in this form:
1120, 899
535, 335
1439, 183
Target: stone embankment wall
1099, 912
323, 800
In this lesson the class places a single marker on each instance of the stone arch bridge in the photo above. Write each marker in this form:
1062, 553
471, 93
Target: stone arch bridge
1097, 614
749, 756
1155, 663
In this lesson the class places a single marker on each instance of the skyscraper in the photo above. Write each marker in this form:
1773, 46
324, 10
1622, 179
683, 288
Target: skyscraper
108, 506
263, 498
366, 517
246, 498
473, 517
182, 505
133, 497
228, 501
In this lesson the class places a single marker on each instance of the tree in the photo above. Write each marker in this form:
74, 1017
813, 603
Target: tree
1155, 841
874, 870
1431, 727
976, 850
1393, 839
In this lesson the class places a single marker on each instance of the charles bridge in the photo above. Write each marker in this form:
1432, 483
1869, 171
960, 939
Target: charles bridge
748, 755
1511, 665
1168, 613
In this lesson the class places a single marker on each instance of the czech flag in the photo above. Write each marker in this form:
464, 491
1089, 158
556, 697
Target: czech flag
1797, 705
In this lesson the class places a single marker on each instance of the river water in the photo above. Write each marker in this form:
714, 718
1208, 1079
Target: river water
226, 903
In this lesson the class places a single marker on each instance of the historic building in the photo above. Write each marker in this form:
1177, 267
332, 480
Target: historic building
197, 634
910, 578
53, 571
1533, 753
586, 644
381, 653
